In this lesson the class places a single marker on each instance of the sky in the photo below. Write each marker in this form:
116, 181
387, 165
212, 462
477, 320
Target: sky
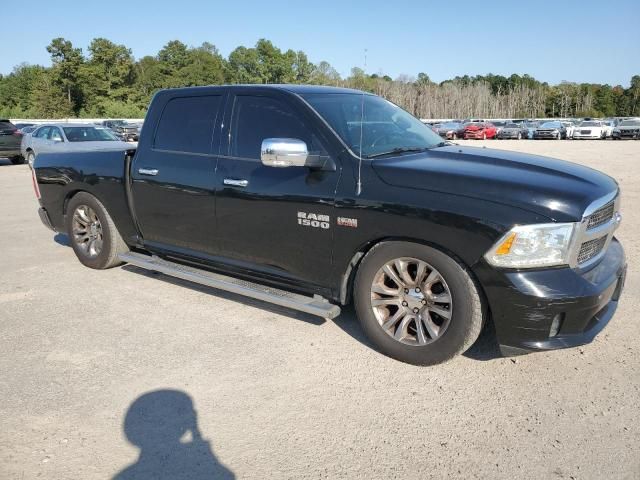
578, 41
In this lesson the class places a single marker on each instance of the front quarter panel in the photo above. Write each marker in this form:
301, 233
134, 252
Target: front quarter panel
463, 227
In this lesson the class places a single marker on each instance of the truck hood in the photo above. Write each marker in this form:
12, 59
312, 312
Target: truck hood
557, 189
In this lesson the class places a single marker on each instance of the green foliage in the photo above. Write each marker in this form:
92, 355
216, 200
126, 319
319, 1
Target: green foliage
109, 82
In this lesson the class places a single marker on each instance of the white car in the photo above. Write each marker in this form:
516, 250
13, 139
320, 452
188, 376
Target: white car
69, 137
570, 126
609, 126
590, 129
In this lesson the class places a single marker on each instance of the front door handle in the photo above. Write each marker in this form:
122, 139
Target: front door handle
236, 183
148, 171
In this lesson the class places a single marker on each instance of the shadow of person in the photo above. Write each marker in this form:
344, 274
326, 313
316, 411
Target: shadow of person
163, 424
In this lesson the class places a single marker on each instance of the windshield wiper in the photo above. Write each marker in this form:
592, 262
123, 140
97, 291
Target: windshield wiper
398, 150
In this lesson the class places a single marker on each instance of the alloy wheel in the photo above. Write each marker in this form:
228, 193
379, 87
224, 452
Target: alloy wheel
87, 231
411, 301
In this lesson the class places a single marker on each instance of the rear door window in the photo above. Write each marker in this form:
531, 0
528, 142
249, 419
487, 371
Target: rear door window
55, 134
186, 124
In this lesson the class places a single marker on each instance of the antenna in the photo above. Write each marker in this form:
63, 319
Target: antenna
359, 184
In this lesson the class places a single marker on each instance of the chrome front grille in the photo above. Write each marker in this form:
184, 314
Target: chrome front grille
591, 248
595, 232
601, 216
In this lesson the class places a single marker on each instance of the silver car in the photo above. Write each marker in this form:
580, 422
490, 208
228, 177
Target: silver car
69, 137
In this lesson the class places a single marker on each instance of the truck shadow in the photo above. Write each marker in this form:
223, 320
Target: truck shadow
227, 295
163, 424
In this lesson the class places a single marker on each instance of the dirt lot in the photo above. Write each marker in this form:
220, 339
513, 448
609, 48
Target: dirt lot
282, 395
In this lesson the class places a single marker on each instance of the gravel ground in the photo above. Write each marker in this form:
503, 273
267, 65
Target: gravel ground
239, 388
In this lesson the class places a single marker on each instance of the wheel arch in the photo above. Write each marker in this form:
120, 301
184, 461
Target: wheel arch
349, 273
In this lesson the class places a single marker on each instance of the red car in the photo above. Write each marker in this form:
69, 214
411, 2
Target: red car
479, 130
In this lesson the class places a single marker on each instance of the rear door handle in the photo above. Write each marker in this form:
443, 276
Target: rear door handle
148, 171
235, 182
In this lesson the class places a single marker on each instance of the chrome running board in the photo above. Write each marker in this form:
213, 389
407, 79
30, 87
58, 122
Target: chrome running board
315, 305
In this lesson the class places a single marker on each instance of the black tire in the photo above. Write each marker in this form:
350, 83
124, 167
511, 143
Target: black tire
467, 316
17, 160
112, 243
519, 136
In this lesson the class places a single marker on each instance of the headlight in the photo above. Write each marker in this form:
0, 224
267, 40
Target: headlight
530, 246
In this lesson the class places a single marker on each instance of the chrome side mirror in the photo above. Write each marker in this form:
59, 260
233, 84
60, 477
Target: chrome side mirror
284, 152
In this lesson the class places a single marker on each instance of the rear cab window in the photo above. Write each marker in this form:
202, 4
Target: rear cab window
186, 124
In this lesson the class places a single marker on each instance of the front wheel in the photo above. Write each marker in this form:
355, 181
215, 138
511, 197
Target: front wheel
417, 304
94, 237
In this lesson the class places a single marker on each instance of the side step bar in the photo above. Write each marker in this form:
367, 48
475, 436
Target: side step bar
315, 305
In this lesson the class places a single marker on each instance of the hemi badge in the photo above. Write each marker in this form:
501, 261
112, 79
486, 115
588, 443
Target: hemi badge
348, 222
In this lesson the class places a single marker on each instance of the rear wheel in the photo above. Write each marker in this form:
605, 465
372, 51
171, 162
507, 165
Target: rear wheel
30, 158
94, 237
417, 304
17, 160
519, 136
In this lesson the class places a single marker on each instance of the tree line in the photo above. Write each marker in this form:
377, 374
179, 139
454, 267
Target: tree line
107, 81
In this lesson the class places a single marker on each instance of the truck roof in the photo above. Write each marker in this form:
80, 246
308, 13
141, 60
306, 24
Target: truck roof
293, 88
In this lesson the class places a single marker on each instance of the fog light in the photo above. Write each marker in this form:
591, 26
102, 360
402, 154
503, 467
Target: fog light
556, 324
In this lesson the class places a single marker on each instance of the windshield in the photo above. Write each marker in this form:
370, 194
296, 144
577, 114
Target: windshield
512, 125
88, 134
450, 125
498, 124
551, 125
590, 124
382, 126
630, 123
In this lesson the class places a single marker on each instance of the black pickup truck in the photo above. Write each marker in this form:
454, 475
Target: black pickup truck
315, 197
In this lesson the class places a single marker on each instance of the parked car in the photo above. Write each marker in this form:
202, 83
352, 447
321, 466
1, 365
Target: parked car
69, 137
590, 129
450, 130
499, 124
627, 129
531, 127
550, 130
514, 131
127, 132
479, 130
608, 125
22, 126
569, 127
25, 130
10, 138
317, 197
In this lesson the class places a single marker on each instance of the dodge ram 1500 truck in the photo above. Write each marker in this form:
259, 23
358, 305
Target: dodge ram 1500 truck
315, 197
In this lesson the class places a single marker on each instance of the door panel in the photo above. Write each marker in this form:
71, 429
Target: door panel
173, 181
259, 207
